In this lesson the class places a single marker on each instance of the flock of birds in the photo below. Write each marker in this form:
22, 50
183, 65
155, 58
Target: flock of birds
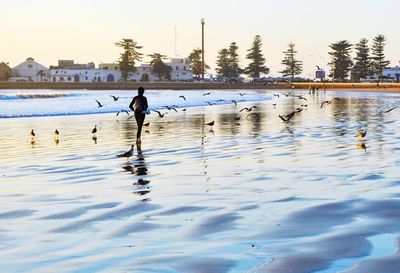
286, 118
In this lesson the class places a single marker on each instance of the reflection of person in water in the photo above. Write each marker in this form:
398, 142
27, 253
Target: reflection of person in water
140, 164
139, 107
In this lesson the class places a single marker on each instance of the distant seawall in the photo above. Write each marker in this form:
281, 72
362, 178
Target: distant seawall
196, 85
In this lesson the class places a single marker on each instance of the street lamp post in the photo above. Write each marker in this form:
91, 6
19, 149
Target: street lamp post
202, 48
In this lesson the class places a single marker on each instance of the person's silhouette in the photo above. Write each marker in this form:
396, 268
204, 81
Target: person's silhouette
139, 107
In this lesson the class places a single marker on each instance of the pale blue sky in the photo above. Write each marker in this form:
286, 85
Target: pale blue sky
86, 30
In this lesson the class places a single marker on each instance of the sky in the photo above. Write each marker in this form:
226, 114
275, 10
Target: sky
86, 30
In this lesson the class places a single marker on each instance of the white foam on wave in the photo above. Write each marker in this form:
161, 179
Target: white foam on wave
53, 103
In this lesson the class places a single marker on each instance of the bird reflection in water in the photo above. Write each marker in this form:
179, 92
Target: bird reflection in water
362, 146
138, 168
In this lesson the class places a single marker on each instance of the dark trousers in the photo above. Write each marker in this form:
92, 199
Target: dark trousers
139, 121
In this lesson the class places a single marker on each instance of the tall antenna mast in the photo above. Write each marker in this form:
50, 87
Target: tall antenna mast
175, 41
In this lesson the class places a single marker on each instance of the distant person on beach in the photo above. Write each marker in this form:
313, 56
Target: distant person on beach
139, 107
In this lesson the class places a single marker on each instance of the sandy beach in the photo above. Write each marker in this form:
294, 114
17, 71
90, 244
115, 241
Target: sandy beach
248, 195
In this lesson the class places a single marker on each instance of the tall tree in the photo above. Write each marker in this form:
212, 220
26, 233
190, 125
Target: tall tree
257, 64
378, 54
128, 57
196, 64
341, 60
293, 67
363, 63
223, 63
41, 74
158, 66
234, 69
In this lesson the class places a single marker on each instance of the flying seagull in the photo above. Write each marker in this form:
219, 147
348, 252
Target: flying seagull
183, 97
159, 113
288, 117
114, 97
170, 107
99, 104
329, 101
248, 109
124, 111
391, 109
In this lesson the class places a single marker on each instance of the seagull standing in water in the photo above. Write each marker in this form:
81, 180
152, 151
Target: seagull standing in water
127, 154
94, 129
210, 123
362, 134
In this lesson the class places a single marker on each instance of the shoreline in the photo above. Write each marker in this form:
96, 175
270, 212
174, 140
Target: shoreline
385, 87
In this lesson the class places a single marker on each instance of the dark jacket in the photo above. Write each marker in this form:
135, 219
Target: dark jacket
143, 102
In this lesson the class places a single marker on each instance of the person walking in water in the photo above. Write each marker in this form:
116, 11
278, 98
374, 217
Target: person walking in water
139, 107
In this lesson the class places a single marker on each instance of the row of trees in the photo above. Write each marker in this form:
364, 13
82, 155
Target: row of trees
130, 55
367, 61
227, 61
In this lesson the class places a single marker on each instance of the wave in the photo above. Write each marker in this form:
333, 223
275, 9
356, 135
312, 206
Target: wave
22, 105
36, 96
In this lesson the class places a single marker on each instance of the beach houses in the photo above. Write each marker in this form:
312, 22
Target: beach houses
68, 71
392, 73
30, 70
5, 71
180, 71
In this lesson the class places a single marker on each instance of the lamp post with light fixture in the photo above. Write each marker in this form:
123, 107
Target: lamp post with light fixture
202, 48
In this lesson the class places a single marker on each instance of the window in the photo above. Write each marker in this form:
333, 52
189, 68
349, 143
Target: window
184, 68
54, 79
183, 73
86, 77
69, 79
177, 68
56, 71
61, 79
30, 66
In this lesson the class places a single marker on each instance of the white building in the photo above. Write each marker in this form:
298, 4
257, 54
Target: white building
392, 72
30, 70
84, 75
180, 71
110, 72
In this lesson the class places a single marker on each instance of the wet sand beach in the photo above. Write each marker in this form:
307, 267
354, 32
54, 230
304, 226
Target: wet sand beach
248, 195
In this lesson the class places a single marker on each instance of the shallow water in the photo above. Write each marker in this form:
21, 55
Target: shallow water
254, 195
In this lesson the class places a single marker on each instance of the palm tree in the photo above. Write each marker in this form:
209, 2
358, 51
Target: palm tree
41, 74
